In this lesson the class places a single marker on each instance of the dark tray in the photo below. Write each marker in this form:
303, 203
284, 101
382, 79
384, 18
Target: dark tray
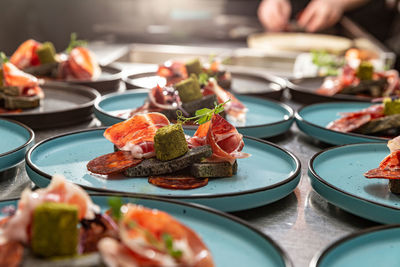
64, 104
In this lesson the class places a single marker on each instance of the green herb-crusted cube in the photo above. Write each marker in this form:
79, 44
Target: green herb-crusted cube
46, 53
194, 66
365, 71
189, 90
170, 142
55, 230
391, 107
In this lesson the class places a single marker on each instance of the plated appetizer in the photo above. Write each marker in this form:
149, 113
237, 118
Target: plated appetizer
175, 71
378, 120
18, 90
389, 168
149, 146
61, 226
361, 80
41, 59
190, 95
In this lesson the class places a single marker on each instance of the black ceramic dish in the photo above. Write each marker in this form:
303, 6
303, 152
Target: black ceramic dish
108, 82
242, 83
64, 104
303, 90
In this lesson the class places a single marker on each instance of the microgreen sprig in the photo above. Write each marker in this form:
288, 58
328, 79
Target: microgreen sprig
115, 204
3, 58
202, 115
74, 42
169, 245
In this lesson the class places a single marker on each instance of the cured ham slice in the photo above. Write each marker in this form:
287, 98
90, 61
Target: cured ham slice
159, 99
174, 72
59, 191
83, 64
349, 123
137, 134
25, 55
142, 234
354, 120
389, 167
224, 139
235, 109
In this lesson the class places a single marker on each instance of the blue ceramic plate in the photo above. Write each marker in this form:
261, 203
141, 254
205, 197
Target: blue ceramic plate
337, 175
223, 234
378, 246
15, 140
313, 119
269, 174
265, 118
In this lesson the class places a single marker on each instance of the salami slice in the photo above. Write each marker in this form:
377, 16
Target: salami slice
112, 163
183, 182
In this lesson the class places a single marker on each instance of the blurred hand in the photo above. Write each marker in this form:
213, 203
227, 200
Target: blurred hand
274, 14
321, 14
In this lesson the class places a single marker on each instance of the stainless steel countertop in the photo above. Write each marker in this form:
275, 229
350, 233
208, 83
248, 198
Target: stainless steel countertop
302, 223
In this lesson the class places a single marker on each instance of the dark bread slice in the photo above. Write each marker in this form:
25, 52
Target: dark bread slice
394, 186
22, 102
213, 169
154, 166
207, 101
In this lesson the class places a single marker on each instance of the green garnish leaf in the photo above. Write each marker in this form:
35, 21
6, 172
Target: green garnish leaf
203, 111
74, 42
115, 204
202, 115
3, 58
169, 245
203, 78
330, 63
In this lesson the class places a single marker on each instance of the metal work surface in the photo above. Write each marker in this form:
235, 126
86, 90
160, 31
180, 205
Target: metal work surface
302, 223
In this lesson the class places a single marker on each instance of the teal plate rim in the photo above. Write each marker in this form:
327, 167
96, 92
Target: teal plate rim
319, 257
144, 90
292, 177
302, 120
30, 139
314, 173
285, 257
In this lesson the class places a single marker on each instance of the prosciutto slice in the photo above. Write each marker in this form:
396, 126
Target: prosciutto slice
83, 64
224, 139
235, 109
28, 84
137, 134
351, 121
60, 191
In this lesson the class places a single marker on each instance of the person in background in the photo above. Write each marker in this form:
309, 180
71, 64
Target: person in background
313, 16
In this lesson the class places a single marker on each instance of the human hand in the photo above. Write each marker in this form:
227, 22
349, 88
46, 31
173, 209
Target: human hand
321, 14
274, 14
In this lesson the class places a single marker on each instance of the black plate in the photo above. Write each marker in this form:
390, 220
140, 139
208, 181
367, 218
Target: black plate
303, 90
242, 83
64, 104
108, 82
